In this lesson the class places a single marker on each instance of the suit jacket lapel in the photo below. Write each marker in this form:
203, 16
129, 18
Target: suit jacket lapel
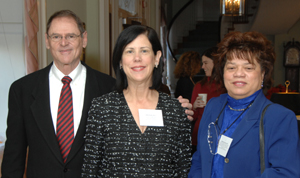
219, 114
42, 114
216, 112
249, 120
91, 91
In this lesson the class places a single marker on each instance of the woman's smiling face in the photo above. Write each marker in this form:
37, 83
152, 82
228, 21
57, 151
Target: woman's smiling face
138, 60
207, 65
242, 78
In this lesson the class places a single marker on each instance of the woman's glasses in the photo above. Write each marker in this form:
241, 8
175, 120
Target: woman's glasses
211, 143
58, 38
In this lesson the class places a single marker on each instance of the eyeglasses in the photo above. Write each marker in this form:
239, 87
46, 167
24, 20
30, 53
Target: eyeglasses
211, 127
58, 38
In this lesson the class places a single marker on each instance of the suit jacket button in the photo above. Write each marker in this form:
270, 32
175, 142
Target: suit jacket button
65, 170
226, 160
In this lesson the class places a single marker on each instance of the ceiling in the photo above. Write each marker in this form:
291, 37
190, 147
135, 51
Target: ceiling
276, 16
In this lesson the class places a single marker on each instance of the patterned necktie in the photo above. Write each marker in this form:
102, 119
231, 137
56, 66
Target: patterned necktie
64, 125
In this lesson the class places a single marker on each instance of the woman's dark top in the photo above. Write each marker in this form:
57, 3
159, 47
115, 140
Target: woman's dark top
185, 86
115, 146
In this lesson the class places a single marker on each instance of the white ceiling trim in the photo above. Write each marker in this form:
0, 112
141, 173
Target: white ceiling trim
276, 16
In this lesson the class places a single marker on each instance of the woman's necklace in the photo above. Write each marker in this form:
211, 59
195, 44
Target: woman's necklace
239, 109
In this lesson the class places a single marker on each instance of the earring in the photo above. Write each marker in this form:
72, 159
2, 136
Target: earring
156, 65
262, 84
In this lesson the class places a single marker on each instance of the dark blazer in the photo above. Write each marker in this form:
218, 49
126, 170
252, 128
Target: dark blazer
29, 123
282, 146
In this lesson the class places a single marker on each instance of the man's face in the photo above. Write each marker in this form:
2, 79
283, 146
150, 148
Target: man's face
66, 53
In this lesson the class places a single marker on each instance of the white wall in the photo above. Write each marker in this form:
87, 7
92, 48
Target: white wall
11, 51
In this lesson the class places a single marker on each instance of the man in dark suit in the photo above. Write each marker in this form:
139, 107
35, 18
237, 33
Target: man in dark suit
33, 106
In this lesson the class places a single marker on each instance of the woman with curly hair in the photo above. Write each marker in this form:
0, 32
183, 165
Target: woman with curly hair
187, 70
242, 133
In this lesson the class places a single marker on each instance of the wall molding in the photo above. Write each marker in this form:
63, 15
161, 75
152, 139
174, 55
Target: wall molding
42, 51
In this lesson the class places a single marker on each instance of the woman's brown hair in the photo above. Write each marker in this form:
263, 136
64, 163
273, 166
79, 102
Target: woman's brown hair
188, 65
250, 46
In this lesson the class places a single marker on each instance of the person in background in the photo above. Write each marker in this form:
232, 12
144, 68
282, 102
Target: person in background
209, 86
137, 131
187, 70
33, 119
228, 136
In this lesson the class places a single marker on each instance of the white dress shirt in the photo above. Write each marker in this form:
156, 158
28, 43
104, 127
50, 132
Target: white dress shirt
78, 76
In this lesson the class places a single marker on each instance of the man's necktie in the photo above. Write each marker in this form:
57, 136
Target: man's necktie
65, 126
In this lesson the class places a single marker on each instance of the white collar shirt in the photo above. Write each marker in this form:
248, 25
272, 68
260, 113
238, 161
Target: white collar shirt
77, 84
